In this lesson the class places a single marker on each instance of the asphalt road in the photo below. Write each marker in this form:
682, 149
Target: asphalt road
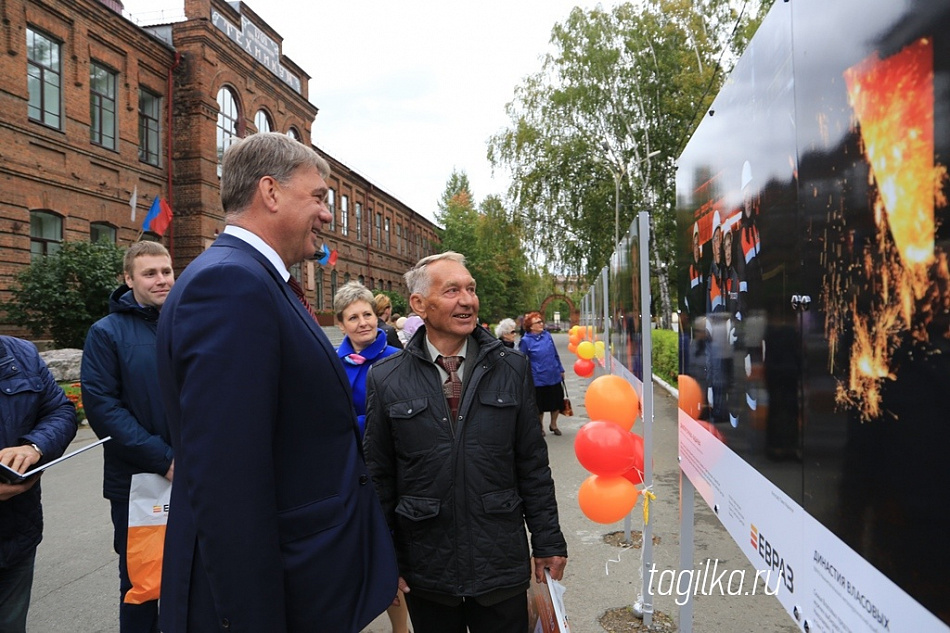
76, 583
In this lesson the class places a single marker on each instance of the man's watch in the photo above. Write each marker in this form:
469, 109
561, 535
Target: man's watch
37, 449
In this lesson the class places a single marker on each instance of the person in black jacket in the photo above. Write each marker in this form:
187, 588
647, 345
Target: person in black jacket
457, 456
121, 397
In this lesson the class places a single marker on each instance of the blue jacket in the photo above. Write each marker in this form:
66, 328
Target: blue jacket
546, 365
356, 371
121, 396
33, 410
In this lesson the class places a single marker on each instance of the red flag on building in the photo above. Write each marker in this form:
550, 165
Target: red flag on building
158, 218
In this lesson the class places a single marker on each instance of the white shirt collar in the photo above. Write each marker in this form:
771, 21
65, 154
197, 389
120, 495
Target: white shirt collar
434, 353
261, 246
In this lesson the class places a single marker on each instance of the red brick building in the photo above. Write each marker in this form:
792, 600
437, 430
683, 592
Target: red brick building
98, 115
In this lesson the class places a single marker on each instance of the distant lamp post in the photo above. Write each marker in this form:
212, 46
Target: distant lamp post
618, 175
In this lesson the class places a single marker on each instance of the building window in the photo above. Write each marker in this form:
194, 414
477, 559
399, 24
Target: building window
389, 286
44, 79
102, 109
359, 222
331, 204
102, 232
46, 234
262, 121
346, 278
293, 133
379, 229
333, 283
150, 109
388, 243
229, 116
362, 280
318, 282
344, 215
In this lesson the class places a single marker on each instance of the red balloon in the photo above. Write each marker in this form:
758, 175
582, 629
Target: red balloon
605, 449
635, 474
613, 399
606, 499
584, 367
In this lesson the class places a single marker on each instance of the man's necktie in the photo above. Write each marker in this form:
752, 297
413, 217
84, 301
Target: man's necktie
295, 286
452, 387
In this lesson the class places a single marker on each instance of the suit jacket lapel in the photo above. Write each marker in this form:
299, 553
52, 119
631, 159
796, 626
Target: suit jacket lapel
226, 240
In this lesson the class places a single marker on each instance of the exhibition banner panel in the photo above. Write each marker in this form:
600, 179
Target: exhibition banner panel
812, 214
625, 303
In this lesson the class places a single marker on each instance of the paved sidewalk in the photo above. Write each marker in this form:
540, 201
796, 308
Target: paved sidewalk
76, 583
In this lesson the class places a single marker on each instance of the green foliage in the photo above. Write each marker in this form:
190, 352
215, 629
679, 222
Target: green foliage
491, 239
73, 391
601, 124
63, 294
666, 355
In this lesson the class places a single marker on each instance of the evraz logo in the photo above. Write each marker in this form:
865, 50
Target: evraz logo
772, 558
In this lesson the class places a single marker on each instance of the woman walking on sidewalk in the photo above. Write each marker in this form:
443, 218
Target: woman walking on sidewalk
546, 368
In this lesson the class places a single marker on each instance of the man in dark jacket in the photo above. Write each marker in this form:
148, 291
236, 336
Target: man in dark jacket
37, 423
121, 396
456, 453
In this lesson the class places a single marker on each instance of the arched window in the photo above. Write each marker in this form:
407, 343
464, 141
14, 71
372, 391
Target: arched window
262, 121
333, 284
361, 280
46, 234
346, 278
229, 118
293, 133
102, 232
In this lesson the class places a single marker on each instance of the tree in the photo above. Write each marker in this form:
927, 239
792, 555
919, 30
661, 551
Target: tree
64, 294
491, 240
596, 132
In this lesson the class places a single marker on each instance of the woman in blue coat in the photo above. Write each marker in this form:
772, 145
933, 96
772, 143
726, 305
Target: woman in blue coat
546, 368
363, 344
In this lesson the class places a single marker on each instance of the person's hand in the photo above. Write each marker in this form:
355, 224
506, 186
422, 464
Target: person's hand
20, 459
171, 472
403, 588
8, 491
555, 564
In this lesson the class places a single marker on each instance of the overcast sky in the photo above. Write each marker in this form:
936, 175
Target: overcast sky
409, 91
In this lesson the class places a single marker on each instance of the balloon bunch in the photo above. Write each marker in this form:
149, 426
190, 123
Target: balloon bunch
608, 449
583, 342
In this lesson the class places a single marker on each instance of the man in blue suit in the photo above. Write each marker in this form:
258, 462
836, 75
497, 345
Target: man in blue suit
274, 524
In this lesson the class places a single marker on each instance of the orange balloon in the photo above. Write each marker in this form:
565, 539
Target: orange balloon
691, 396
606, 499
572, 347
612, 399
574, 338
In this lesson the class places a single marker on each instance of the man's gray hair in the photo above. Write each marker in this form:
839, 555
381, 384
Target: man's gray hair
348, 294
505, 326
265, 154
418, 280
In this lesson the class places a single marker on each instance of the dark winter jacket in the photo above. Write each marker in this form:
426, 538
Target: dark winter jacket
33, 410
121, 396
457, 496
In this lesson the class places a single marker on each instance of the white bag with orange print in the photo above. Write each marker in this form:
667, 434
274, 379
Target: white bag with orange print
148, 514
